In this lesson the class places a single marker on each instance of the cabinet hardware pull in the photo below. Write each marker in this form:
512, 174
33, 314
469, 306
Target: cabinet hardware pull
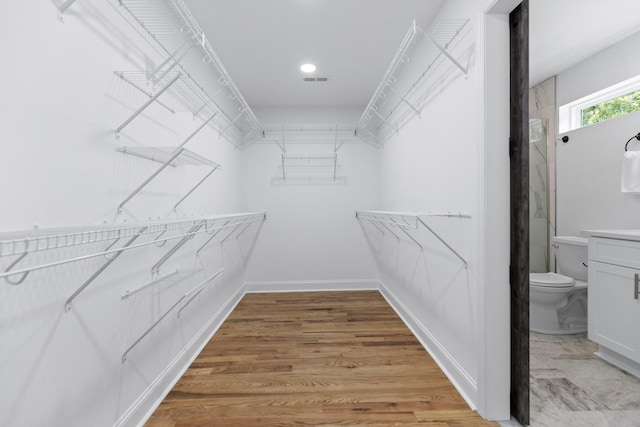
636, 285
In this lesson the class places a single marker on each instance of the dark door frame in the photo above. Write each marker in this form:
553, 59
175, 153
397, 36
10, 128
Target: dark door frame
519, 210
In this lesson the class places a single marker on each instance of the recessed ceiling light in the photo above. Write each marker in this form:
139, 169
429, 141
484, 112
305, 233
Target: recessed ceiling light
307, 68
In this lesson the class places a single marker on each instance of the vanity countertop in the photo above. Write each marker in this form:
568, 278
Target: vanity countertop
614, 234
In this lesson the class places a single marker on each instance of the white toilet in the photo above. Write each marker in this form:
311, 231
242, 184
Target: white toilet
558, 302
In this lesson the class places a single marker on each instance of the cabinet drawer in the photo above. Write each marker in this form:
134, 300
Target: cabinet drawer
612, 251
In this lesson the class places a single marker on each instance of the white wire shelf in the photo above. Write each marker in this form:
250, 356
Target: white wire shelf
191, 70
327, 162
402, 221
283, 134
30, 241
399, 92
209, 225
164, 154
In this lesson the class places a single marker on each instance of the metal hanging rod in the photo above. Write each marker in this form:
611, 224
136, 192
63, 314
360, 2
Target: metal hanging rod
127, 293
209, 227
192, 294
187, 298
404, 220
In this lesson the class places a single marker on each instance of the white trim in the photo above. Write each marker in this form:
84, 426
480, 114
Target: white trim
459, 377
313, 285
146, 404
571, 113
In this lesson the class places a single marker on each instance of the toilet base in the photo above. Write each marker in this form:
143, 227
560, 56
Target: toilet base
569, 318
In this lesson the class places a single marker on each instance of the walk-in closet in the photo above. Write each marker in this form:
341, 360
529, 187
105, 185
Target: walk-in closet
241, 193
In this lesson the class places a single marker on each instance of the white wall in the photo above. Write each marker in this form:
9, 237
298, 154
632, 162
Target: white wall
68, 173
435, 164
589, 165
60, 106
311, 234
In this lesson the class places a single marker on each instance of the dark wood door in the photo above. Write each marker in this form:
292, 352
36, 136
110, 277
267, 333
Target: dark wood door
519, 264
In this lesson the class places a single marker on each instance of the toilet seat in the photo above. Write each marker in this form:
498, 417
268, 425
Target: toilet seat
550, 280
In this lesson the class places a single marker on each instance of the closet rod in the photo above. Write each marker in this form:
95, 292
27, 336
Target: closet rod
200, 288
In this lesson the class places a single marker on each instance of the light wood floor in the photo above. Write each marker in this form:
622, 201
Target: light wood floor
312, 359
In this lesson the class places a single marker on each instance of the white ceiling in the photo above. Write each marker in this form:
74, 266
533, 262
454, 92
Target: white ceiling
262, 43
566, 32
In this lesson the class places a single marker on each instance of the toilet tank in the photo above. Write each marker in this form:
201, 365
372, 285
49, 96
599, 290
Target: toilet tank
571, 256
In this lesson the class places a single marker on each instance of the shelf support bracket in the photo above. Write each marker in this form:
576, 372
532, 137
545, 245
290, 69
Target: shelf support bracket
189, 235
146, 104
284, 177
443, 242
409, 235
13, 264
404, 99
230, 234
194, 188
124, 355
446, 53
222, 131
175, 155
212, 237
67, 304
63, 8
124, 78
247, 225
386, 121
175, 57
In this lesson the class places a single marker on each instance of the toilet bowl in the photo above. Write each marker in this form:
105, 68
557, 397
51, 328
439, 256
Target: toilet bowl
558, 301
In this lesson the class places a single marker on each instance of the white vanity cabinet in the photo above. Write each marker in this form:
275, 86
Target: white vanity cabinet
614, 297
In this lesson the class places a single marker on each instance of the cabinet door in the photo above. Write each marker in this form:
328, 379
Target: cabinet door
613, 308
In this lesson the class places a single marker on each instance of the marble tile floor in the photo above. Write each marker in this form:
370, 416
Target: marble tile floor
570, 386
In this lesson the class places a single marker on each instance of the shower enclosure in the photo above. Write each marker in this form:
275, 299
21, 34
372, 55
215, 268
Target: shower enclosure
539, 220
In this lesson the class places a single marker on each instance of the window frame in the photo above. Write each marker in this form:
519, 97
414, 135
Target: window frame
570, 114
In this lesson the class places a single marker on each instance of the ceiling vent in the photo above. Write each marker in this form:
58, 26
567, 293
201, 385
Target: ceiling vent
308, 79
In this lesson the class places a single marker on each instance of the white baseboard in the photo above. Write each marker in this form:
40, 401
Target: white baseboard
458, 376
313, 286
147, 403
142, 409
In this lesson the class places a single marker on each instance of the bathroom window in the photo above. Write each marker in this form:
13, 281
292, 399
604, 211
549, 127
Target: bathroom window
614, 101
615, 107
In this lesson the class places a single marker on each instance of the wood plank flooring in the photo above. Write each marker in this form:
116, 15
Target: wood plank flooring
314, 359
